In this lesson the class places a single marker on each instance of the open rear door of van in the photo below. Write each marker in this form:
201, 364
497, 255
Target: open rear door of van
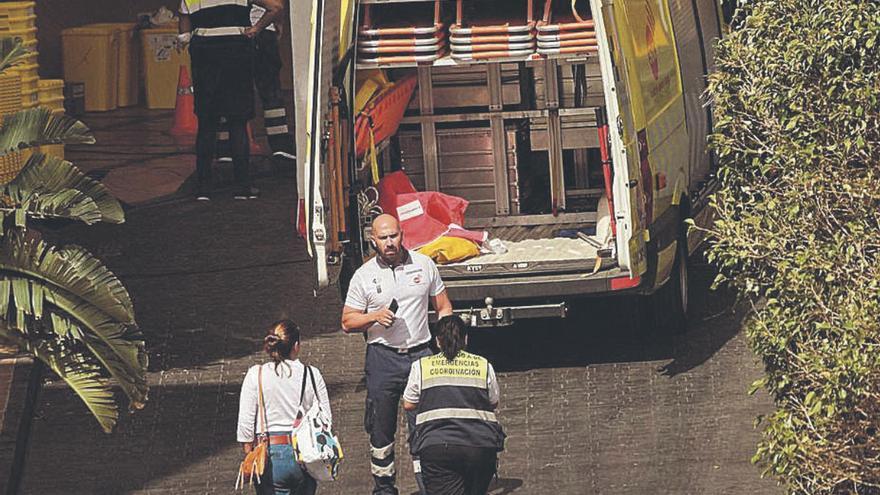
314, 24
627, 186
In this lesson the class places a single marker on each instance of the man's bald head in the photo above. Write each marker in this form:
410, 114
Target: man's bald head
385, 221
387, 239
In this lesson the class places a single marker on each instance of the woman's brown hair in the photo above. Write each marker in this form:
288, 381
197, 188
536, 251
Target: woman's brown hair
451, 332
283, 336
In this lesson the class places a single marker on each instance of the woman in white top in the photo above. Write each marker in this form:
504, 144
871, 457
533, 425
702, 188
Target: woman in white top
282, 380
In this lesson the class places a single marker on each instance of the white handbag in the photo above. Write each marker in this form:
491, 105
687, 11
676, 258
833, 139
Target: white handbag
314, 445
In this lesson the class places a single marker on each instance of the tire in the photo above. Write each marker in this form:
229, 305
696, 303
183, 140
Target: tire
665, 312
677, 289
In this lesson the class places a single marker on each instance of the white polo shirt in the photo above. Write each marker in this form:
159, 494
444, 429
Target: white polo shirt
412, 283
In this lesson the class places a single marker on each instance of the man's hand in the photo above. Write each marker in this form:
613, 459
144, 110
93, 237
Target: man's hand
251, 32
383, 316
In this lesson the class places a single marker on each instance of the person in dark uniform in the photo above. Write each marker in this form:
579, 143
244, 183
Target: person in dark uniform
221, 48
454, 395
267, 72
388, 301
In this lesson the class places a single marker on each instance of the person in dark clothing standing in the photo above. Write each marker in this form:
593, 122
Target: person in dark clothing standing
267, 72
220, 37
454, 394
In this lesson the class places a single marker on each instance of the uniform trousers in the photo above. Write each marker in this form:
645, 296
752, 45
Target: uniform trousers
457, 470
267, 71
222, 69
387, 372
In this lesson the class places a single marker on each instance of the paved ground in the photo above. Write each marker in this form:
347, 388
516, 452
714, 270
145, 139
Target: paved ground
590, 405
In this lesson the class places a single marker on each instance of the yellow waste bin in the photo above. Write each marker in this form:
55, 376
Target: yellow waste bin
91, 57
162, 64
128, 80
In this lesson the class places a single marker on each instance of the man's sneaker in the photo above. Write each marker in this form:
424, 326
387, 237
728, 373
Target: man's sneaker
284, 154
247, 193
224, 159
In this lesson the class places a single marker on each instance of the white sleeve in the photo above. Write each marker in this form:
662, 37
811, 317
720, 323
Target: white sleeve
414, 384
184, 8
436, 282
356, 297
247, 407
492, 383
323, 398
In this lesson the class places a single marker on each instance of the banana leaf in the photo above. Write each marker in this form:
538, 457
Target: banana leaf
37, 127
49, 187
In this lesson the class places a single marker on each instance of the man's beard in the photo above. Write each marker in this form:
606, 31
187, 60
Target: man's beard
390, 258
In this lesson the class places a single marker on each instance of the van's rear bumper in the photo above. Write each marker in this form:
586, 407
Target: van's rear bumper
498, 302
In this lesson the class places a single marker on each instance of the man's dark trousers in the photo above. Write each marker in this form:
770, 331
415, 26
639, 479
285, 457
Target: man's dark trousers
387, 372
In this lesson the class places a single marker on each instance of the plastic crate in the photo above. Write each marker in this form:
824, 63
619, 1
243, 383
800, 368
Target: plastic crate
28, 36
17, 23
10, 165
10, 93
16, 9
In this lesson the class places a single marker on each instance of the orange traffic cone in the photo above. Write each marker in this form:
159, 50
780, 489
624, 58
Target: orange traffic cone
185, 123
256, 147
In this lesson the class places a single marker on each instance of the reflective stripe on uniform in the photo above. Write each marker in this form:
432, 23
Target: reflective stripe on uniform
382, 452
417, 466
382, 460
219, 31
274, 112
455, 413
223, 135
454, 381
276, 129
382, 471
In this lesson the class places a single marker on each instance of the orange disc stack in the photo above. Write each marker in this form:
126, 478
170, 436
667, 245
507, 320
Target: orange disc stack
409, 34
563, 31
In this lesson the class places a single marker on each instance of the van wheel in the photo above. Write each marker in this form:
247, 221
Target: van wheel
664, 312
677, 291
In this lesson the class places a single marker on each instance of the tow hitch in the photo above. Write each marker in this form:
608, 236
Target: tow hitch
501, 316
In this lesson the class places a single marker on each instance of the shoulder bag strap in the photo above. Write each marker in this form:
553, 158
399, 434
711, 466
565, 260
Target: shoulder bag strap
261, 404
314, 387
302, 389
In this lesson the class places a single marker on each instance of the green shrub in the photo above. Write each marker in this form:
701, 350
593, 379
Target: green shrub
797, 103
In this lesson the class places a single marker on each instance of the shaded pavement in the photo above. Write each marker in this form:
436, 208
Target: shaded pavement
590, 404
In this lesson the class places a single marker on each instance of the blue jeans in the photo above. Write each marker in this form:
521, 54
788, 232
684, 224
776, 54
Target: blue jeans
283, 476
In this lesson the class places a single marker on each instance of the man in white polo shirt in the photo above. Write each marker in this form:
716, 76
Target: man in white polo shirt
388, 301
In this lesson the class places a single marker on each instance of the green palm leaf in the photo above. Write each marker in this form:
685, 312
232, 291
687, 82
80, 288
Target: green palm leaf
71, 293
38, 126
71, 269
12, 52
49, 187
78, 370
119, 348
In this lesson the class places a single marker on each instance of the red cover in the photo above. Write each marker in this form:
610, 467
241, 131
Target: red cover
424, 216
390, 187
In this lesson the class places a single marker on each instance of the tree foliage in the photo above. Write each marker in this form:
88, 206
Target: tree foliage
59, 303
797, 101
